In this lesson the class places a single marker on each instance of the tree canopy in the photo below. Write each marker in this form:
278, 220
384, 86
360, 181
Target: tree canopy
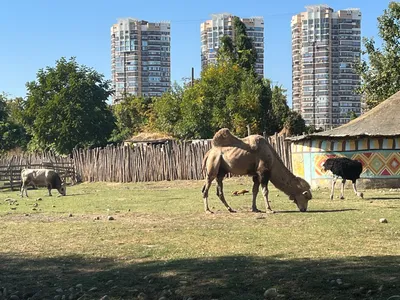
12, 133
133, 115
66, 108
240, 50
380, 71
226, 95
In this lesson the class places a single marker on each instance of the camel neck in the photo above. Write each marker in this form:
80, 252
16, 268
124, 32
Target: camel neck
282, 178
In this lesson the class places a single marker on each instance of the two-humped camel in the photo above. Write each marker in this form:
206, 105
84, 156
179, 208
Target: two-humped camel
252, 156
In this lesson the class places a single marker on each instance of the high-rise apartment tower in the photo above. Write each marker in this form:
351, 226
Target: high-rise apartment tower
222, 24
140, 58
325, 47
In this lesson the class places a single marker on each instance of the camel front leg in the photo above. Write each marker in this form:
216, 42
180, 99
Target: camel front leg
359, 194
205, 190
220, 194
342, 189
333, 186
256, 187
265, 192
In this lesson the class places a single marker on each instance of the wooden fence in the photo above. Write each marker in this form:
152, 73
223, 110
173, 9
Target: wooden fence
132, 163
141, 162
11, 166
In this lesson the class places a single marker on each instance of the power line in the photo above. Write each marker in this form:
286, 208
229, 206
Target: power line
205, 19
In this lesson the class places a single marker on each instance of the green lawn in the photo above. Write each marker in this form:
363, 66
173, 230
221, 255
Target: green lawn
162, 244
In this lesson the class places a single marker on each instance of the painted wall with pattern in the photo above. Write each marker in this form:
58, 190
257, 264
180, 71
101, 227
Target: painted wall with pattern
380, 157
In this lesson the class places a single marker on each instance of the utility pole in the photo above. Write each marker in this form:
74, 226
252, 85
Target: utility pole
125, 83
314, 83
192, 81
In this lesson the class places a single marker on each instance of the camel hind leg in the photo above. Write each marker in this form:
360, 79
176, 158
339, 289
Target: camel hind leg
220, 193
264, 179
204, 191
256, 187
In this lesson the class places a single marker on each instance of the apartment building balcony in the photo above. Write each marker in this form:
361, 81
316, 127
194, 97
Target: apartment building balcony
321, 70
296, 90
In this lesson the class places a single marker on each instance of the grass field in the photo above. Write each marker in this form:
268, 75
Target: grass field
162, 244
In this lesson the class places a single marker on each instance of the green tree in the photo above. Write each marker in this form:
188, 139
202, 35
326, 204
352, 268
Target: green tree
380, 72
226, 95
3, 111
247, 54
12, 133
240, 50
12, 136
352, 115
280, 109
227, 50
167, 109
295, 123
66, 108
132, 116
265, 111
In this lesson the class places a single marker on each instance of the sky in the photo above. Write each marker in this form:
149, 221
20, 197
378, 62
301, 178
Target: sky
35, 34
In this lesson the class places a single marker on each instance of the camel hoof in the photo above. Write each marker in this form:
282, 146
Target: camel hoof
331, 197
209, 212
361, 195
256, 210
231, 210
341, 198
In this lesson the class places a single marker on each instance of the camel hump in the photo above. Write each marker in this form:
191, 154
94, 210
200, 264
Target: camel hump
224, 138
254, 141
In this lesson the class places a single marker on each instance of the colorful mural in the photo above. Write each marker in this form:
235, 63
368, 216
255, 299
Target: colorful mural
375, 164
380, 157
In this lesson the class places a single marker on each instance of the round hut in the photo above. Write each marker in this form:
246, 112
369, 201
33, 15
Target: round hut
373, 139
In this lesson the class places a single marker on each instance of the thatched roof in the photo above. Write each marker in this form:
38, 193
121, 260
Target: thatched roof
149, 137
382, 120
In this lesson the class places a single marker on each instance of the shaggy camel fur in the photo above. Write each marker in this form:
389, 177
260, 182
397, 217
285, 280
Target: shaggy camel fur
252, 156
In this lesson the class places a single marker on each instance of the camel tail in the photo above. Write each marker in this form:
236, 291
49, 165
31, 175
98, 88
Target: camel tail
204, 163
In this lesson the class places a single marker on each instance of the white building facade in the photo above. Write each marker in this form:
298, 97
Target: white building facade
140, 58
326, 45
222, 24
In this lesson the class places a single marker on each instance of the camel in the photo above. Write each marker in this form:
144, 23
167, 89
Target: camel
252, 156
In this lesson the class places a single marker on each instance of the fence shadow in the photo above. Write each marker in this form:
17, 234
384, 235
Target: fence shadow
383, 198
227, 277
315, 211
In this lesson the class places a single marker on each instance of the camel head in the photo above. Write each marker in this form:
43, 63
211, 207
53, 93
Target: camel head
302, 195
